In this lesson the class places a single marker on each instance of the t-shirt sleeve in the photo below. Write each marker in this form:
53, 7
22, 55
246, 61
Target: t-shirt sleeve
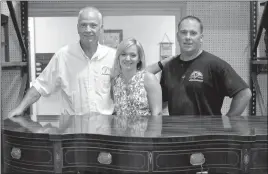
229, 81
164, 87
49, 80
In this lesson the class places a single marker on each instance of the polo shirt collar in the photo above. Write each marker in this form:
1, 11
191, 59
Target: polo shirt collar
99, 54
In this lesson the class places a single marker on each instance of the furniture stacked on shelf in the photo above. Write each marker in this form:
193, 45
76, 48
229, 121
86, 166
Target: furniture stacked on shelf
258, 64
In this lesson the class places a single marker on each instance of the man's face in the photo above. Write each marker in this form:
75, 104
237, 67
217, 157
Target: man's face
89, 27
189, 36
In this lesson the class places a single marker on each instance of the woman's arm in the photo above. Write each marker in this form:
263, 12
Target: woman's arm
154, 93
155, 68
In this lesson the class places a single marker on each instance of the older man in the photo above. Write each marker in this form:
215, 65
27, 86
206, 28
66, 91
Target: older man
81, 71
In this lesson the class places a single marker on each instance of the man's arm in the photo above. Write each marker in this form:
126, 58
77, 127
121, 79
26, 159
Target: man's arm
45, 84
233, 86
154, 68
239, 102
31, 97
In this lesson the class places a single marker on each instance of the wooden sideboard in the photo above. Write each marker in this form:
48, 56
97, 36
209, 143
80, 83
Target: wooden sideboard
239, 149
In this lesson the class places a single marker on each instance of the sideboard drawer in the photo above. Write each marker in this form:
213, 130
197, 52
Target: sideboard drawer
114, 159
179, 160
29, 156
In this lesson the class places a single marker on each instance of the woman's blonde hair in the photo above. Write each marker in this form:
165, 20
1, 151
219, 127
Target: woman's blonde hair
120, 49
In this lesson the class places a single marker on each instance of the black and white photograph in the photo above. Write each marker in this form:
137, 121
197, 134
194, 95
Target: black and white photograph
134, 86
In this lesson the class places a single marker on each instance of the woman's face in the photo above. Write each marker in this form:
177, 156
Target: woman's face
129, 58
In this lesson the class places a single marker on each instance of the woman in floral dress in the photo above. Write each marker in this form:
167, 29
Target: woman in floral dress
136, 93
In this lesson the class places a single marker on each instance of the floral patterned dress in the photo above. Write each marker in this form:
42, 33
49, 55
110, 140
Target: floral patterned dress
131, 105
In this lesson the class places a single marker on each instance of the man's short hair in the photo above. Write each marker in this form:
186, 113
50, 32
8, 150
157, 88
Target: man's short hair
93, 9
190, 17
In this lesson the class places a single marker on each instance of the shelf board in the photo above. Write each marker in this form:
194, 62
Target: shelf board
261, 63
260, 60
262, 3
13, 64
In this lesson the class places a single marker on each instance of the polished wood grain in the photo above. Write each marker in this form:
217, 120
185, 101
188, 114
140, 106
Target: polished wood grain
229, 145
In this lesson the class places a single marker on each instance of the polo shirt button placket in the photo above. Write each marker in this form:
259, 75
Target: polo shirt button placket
90, 88
92, 107
89, 97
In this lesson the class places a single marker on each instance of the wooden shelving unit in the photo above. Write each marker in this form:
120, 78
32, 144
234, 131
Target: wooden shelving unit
259, 62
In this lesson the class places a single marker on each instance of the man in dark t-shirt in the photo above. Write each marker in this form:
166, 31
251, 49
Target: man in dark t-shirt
196, 82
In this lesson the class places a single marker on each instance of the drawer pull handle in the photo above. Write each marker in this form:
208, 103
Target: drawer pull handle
105, 158
15, 153
197, 159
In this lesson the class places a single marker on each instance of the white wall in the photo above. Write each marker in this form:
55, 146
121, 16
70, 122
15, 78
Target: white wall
53, 33
149, 30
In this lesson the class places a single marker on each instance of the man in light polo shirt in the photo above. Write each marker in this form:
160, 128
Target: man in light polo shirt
80, 71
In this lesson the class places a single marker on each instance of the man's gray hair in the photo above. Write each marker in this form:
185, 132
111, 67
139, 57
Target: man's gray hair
93, 9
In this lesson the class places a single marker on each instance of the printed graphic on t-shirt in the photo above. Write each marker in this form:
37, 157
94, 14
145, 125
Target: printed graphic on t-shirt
196, 76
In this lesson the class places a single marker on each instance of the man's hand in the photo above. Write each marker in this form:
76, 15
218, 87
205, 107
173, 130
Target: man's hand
15, 115
31, 97
154, 68
168, 59
17, 119
47, 129
15, 112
